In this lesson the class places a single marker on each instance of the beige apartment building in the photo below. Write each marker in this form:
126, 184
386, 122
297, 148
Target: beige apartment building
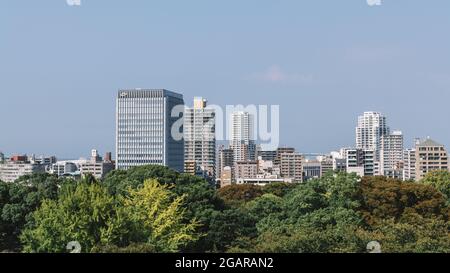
246, 169
430, 156
291, 166
200, 139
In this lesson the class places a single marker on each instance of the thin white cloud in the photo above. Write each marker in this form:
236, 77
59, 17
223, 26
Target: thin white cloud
275, 74
374, 2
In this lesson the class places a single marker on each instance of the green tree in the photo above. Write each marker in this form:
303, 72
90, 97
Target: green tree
265, 206
237, 195
156, 217
148, 218
228, 229
411, 234
318, 216
17, 202
119, 181
383, 198
279, 189
201, 199
81, 213
297, 239
440, 180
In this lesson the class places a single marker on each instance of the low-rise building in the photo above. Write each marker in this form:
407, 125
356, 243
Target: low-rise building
312, 169
262, 180
226, 178
17, 167
64, 168
96, 166
246, 169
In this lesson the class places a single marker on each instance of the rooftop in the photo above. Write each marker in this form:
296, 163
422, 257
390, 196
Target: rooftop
429, 143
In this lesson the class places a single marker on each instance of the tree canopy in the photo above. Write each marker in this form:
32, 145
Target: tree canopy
91, 216
155, 209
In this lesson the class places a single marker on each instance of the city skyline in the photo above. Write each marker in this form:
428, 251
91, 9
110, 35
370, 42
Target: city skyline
409, 143
62, 66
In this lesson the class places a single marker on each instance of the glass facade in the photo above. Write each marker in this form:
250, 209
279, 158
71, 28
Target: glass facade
143, 129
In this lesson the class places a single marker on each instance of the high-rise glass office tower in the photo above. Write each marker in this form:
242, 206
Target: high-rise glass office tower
200, 138
144, 129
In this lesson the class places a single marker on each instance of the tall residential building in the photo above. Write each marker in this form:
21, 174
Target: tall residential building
371, 127
291, 166
200, 138
280, 151
242, 137
391, 152
361, 161
430, 156
225, 159
409, 164
144, 124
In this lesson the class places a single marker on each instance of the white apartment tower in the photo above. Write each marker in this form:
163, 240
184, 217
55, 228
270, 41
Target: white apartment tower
200, 137
391, 152
243, 137
409, 165
371, 127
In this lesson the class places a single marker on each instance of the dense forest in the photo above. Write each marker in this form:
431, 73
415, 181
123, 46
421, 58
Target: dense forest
154, 209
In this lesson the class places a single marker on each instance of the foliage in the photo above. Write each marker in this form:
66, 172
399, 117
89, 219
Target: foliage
236, 195
153, 209
132, 248
384, 198
412, 234
155, 218
18, 200
88, 214
440, 180
227, 228
119, 181
200, 198
264, 206
80, 214
279, 189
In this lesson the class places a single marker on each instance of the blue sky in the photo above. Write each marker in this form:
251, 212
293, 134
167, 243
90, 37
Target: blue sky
323, 61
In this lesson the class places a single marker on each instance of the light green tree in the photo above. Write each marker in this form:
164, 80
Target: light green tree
81, 213
440, 180
149, 218
156, 217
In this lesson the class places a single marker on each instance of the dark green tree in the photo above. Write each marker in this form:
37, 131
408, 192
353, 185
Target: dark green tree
237, 195
383, 198
19, 199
